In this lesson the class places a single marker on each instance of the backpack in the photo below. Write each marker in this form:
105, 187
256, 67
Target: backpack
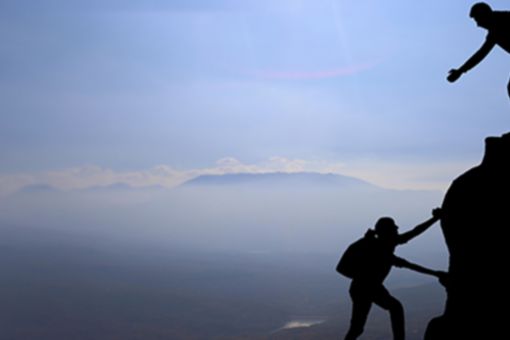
355, 258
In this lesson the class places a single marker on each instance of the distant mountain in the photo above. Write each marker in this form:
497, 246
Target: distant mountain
120, 187
37, 188
277, 179
288, 210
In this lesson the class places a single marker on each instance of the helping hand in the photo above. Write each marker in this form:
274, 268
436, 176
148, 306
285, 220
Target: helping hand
437, 213
444, 278
453, 75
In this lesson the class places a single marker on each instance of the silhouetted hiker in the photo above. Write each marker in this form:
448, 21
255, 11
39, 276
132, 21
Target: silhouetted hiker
368, 261
498, 25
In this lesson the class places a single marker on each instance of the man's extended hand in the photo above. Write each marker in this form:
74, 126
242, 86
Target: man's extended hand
453, 75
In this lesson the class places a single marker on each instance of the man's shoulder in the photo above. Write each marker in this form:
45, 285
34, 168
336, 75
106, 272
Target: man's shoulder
501, 13
501, 20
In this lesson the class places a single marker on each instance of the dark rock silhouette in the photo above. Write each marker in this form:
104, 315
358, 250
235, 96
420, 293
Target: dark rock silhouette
476, 214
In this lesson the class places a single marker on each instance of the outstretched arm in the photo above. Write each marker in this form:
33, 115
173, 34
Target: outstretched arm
476, 58
401, 263
409, 235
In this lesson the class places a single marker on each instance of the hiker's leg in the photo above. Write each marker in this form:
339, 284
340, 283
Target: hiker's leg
388, 302
361, 305
360, 312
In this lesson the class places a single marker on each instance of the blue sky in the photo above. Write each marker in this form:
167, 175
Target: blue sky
129, 89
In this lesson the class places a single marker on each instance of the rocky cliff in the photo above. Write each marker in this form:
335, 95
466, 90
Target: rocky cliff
476, 218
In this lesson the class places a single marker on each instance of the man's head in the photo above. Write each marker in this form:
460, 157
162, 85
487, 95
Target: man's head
386, 228
481, 13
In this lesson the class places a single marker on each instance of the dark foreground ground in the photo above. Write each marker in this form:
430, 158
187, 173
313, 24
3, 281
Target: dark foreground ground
56, 286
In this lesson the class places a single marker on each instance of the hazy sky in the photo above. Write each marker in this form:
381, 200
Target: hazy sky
148, 92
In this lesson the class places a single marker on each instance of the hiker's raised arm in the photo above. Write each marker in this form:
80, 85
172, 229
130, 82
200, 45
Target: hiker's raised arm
409, 235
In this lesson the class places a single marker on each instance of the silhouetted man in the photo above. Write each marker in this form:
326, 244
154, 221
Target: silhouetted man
375, 264
498, 25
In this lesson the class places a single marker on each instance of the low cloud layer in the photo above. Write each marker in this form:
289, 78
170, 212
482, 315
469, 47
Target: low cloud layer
161, 175
390, 175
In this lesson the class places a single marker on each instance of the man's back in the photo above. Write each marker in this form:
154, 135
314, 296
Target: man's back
499, 30
378, 262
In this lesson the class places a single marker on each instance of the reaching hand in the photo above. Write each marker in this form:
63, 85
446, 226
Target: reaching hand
453, 75
437, 213
444, 278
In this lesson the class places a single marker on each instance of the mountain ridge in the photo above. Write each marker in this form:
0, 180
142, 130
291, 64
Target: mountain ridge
249, 180
275, 178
